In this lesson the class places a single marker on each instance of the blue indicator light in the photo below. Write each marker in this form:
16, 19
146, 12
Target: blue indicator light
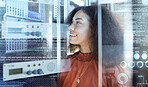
140, 64
146, 64
144, 56
136, 56
131, 64
140, 76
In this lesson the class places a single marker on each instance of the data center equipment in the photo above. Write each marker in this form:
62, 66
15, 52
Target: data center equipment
18, 70
24, 9
29, 69
2, 12
24, 36
25, 30
28, 35
15, 45
2, 3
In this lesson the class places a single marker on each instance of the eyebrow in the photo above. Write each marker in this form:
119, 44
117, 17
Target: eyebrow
78, 19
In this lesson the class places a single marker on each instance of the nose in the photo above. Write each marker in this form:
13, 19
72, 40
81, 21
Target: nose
71, 27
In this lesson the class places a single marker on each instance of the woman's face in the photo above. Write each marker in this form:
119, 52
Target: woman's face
80, 29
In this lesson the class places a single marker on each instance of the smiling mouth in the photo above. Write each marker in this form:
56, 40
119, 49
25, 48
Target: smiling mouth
71, 35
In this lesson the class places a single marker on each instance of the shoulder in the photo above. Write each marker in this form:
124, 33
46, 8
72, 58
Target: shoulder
67, 62
72, 56
116, 69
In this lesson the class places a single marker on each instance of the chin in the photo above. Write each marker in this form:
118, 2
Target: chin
74, 43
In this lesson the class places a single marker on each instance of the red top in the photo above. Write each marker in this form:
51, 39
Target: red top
111, 77
89, 78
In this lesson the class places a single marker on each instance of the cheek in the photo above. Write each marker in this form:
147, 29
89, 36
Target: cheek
86, 31
84, 35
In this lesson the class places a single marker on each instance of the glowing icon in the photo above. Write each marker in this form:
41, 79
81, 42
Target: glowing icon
140, 64
136, 56
131, 64
122, 78
144, 56
123, 64
146, 64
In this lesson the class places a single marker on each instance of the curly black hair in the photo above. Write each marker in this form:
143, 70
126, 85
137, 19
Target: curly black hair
112, 34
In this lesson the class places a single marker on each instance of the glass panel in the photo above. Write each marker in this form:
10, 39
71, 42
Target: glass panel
124, 43
49, 44
33, 38
83, 57
117, 43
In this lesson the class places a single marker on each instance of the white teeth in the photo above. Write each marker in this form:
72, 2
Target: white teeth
73, 35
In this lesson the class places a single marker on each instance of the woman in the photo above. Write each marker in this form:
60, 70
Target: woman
84, 35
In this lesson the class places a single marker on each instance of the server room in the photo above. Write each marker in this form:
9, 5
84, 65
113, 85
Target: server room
73, 43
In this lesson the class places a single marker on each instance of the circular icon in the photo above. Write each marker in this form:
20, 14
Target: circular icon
38, 33
140, 64
136, 56
144, 56
123, 64
131, 64
33, 33
51, 66
122, 78
27, 33
146, 64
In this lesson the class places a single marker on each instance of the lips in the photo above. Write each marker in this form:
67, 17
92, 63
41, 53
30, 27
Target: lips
72, 35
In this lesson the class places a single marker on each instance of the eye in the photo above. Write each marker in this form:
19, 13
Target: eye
78, 22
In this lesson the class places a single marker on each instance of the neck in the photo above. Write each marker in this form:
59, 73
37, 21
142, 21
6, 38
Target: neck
86, 49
